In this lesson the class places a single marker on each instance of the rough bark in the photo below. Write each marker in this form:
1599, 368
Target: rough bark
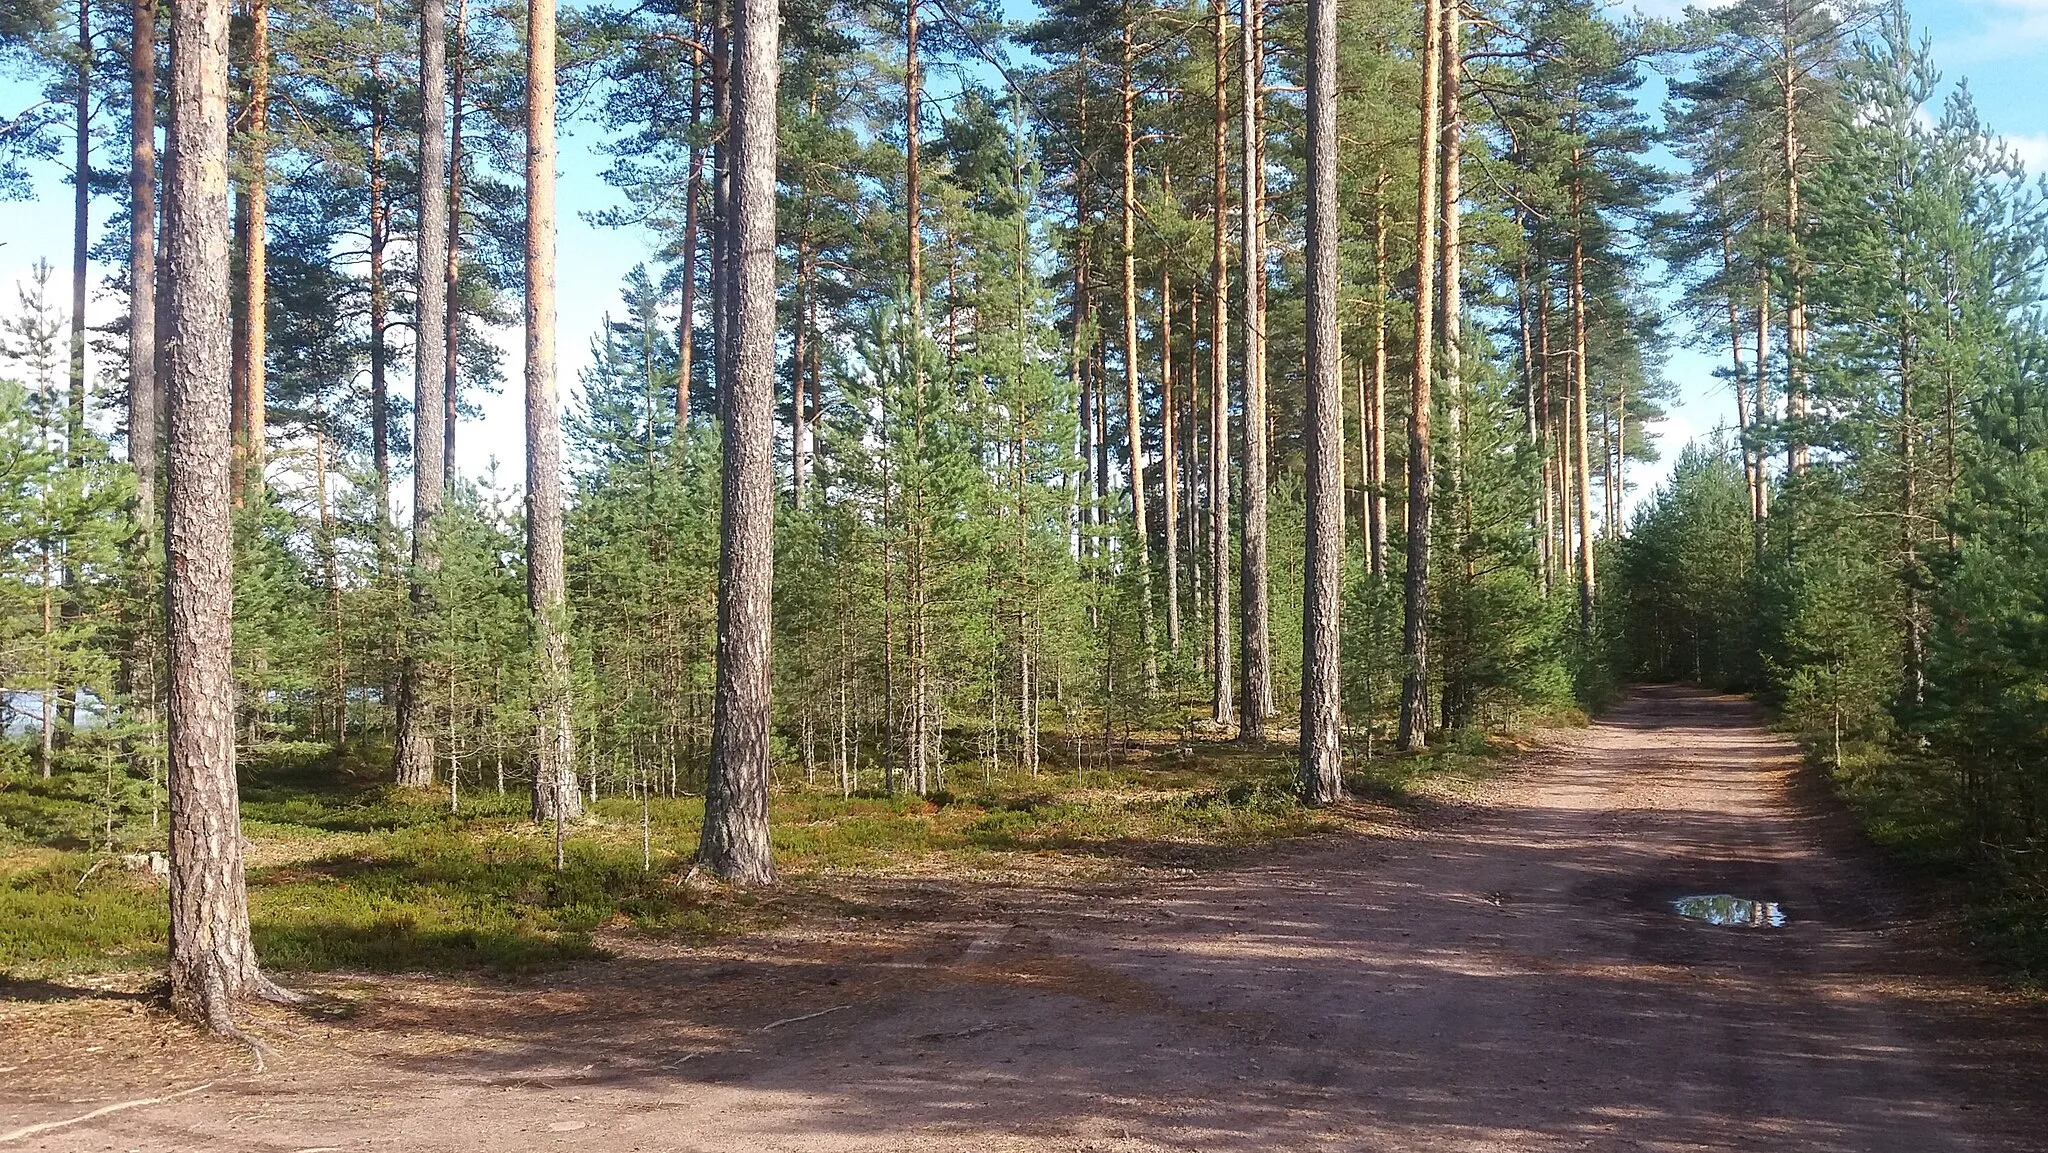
555, 795
1134, 405
1221, 707
735, 845
1451, 326
1322, 715
212, 960
1255, 651
1414, 732
415, 742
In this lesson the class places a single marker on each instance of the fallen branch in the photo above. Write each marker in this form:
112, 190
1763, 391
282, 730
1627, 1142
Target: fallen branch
804, 1017
46, 1126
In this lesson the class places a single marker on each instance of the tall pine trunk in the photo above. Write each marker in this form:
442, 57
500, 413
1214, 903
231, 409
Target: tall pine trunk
1414, 732
1169, 447
1134, 404
415, 743
1221, 706
1451, 301
212, 960
1255, 687
1322, 712
1581, 373
555, 795
734, 846
1375, 441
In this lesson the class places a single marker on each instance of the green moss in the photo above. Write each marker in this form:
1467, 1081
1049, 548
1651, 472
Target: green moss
351, 873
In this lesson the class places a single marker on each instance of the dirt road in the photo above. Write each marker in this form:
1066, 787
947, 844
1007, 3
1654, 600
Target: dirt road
1512, 978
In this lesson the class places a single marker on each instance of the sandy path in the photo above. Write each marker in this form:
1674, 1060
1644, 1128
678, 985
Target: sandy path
1511, 980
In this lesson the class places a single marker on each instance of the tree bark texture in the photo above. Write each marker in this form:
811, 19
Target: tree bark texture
1221, 706
1421, 473
212, 960
1134, 403
735, 844
1255, 651
1322, 714
555, 795
415, 743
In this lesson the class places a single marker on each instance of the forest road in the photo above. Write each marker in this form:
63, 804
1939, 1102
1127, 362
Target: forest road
1511, 977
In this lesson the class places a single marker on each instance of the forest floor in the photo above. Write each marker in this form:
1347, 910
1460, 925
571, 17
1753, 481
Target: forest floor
1503, 972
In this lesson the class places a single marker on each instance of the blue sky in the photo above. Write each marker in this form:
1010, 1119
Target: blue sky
2000, 45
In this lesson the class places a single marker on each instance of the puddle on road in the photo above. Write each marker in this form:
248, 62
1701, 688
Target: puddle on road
1723, 909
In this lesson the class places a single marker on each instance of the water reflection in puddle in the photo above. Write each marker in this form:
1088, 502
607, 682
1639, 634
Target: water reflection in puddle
1722, 909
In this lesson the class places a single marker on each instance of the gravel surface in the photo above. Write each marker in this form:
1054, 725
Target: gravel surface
1509, 975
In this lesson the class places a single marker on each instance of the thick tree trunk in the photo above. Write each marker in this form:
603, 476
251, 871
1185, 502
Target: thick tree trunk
1322, 703
212, 961
1134, 404
1255, 653
143, 389
555, 795
735, 844
1451, 301
415, 742
1415, 595
1221, 706
252, 332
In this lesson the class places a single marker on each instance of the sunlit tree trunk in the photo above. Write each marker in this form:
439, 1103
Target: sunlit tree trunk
415, 741
212, 960
1375, 443
734, 844
1581, 371
1414, 732
1221, 707
1134, 404
1322, 716
1169, 446
1255, 687
555, 795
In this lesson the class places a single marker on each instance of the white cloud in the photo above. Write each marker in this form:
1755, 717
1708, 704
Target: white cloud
2032, 149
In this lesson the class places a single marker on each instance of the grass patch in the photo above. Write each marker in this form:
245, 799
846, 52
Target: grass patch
1907, 805
348, 872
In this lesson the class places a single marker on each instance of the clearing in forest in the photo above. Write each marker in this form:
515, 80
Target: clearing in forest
1512, 974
